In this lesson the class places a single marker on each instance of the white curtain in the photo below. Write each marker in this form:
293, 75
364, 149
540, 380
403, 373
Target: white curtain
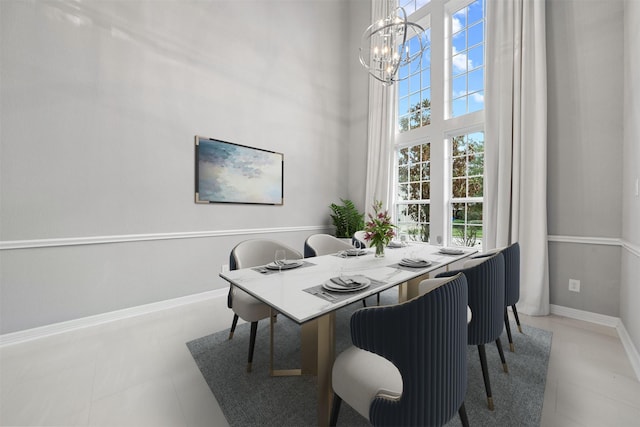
380, 132
516, 148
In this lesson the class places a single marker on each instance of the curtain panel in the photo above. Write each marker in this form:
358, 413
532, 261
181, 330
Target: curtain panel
516, 135
380, 132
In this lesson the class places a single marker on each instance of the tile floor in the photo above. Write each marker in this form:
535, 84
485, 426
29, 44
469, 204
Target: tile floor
138, 372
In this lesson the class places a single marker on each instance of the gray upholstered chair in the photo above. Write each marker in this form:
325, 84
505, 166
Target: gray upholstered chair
408, 365
485, 278
323, 244
511, 255
252, 253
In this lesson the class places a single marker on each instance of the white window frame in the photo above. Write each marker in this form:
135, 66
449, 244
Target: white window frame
441, 129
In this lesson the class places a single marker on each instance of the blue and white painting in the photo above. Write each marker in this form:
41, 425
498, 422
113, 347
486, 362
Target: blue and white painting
235, 173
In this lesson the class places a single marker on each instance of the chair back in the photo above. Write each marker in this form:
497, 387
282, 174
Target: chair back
512, 274
323, 244
254, 252
485, 278
358, 240
426, 339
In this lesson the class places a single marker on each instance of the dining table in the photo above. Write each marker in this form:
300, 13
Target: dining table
311, 290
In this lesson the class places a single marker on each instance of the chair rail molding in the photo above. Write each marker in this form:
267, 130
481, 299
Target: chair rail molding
97, 240
608, 241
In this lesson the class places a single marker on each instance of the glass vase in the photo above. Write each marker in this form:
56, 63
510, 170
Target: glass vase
380, 250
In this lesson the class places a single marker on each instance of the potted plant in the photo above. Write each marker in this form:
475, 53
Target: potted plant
346, 218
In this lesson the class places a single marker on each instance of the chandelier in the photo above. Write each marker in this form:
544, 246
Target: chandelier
385, 46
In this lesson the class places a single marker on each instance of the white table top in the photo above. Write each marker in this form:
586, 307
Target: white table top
285, 291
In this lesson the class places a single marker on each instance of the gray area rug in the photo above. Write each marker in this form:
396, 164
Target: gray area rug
256, 399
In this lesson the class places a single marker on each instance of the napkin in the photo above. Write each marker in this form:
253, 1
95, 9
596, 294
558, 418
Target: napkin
348, 281
414, 261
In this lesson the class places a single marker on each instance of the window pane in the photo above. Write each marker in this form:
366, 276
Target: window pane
414, 173
475, 11
403, 106
460, 86
476, 164
403, 191
424, 213
459, 187
459, 106
475, 57
476, 101
403, 72
476, 34
426, 78
403, 124
426, 152
476, 80
459, 146
403, 88
426, 117
459, 64
459, 167
474, 213
414, 83
414, 154
426, 190
459, 41
475, 187
403, 156
414, 191
459, 19
426, 172
403, 174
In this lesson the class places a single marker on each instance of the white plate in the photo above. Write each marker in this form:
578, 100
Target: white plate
331, 286
415, 264
451, 251
355, 252
288, 264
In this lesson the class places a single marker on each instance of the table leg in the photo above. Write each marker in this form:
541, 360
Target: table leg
411, 288
326, 356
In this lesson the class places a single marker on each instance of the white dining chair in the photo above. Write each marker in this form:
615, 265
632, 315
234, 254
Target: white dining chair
252, 253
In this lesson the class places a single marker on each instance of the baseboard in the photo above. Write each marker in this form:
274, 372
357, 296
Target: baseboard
601, 319
99, 319
587, 316
632, 351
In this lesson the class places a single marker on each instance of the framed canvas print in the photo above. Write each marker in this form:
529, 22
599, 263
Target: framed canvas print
234, 173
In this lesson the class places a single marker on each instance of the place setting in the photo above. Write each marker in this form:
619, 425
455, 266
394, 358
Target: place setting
342, 287
281, 263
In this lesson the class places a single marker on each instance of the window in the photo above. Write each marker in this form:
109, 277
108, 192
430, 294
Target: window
439, 143
414, 189
467, 59
467, 170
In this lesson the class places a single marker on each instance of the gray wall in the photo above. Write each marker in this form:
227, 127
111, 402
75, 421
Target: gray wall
585, 140
630, 286
100, 102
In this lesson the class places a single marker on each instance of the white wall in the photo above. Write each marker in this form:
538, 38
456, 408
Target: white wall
630, 283
585, 132
100, 102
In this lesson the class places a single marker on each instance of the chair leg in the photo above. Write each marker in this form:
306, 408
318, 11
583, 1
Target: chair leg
508, 328
252, 344
335, 409
515, 314
378, 295
463, 416
364, 302
485, 375
504, 361
233, 325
